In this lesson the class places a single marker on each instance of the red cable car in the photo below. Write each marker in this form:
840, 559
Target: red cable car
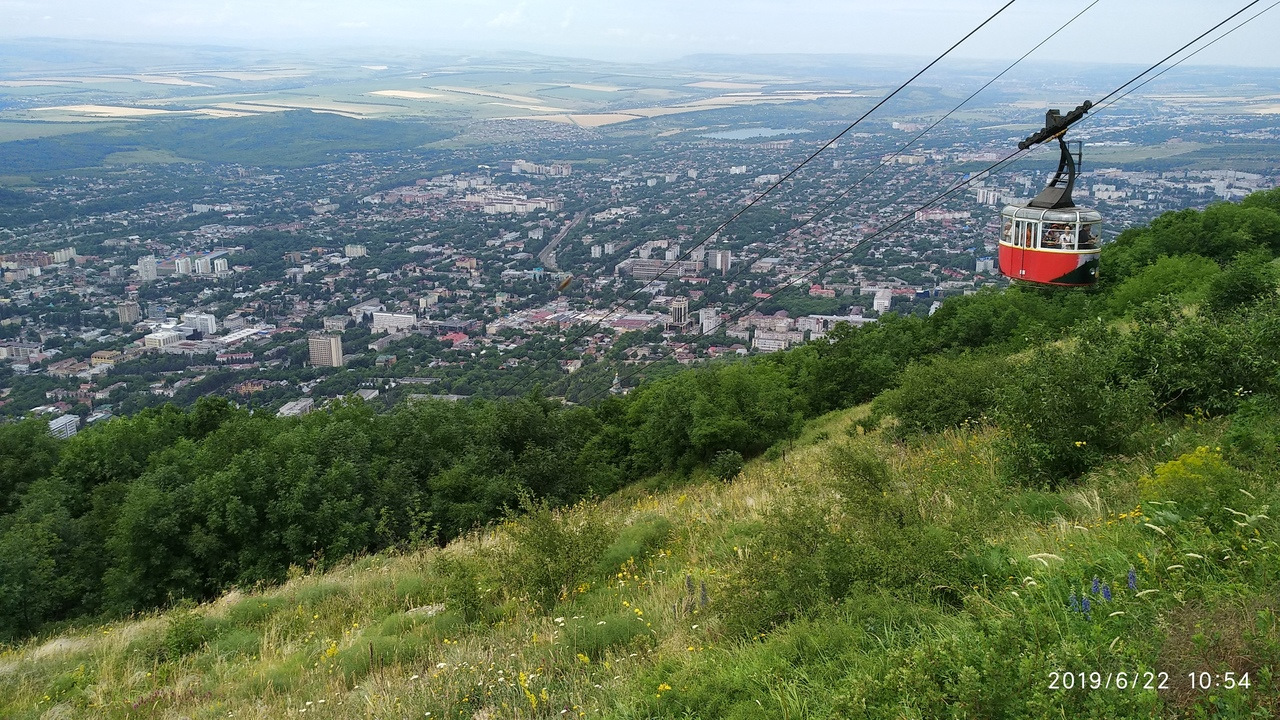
1050, 241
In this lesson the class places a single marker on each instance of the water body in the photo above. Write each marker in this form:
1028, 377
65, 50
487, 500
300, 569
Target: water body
747, 133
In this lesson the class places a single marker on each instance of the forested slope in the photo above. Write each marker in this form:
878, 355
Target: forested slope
934, 555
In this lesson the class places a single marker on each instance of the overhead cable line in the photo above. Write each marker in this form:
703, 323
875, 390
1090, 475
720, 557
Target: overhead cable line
1198, 50
1166, 58
884, 162
762, 195
1007, 160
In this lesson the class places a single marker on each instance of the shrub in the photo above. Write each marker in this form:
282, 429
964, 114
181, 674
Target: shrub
726, 465
1249, 279
1200, 363
187, 632
1065, 410
943, 392
857, 471
1183, 276
1201, 483
462, 586
553, 551
1252, 440
636, 542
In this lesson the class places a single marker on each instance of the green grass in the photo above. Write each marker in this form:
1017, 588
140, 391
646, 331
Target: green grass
634, 636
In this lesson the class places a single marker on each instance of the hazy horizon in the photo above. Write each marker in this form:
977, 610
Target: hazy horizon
664, 30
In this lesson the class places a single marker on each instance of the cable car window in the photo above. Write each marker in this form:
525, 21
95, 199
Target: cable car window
1027, 233
1007, 233
1089, 235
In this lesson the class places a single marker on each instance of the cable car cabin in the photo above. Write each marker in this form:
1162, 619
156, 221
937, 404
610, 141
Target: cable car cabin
1052, 247
1049, 240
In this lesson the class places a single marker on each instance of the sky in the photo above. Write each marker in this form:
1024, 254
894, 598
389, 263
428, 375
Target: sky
1130, 31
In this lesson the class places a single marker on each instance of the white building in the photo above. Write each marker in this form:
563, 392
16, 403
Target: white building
709, 319
64, 426
204, 266
204, 322
296, 408
355, 251
182, 266
147, 268
162, 339
391, 322
883, 301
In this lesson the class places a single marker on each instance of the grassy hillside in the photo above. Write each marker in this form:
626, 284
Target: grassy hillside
792, 591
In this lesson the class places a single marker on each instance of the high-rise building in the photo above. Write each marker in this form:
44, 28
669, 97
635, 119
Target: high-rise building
355, 251
147, 268
709, 318
129, 311
204, 266
220, 266
325, 350
680, 315
204, 322
64, 255
182, 266
680, 310
720, 260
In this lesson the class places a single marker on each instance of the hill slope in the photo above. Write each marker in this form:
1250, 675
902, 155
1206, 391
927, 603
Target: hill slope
792, 591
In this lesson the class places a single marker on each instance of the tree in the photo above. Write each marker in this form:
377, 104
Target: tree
1249, 279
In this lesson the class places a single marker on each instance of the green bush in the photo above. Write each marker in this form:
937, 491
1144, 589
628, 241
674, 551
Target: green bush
186, 633
726, 465
1065, 411
1182, 276
462, 588
1198, 363
372, 652
1201, 484
1249, 279
635, 542
1252, 440
236, 642
553, 551
942, 392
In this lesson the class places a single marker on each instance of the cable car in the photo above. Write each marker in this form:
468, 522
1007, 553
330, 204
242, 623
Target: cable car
1050, 241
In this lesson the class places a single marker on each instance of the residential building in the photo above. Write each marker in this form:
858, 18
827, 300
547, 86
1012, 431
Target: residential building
147, 268
325, 350
129, 311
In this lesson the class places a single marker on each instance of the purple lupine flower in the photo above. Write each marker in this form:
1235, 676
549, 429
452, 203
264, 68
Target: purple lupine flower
1095, 585
1075, 603
1106, 593
1133, 579
1085, 605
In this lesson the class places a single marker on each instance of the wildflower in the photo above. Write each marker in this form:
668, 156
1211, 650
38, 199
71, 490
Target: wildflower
1075, 603
1133, 578
1095, 587
1106, 593
1085, 605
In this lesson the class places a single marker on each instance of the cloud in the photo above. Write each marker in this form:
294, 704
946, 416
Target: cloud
509, 18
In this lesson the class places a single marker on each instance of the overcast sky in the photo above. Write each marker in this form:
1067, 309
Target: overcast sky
1114, 31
